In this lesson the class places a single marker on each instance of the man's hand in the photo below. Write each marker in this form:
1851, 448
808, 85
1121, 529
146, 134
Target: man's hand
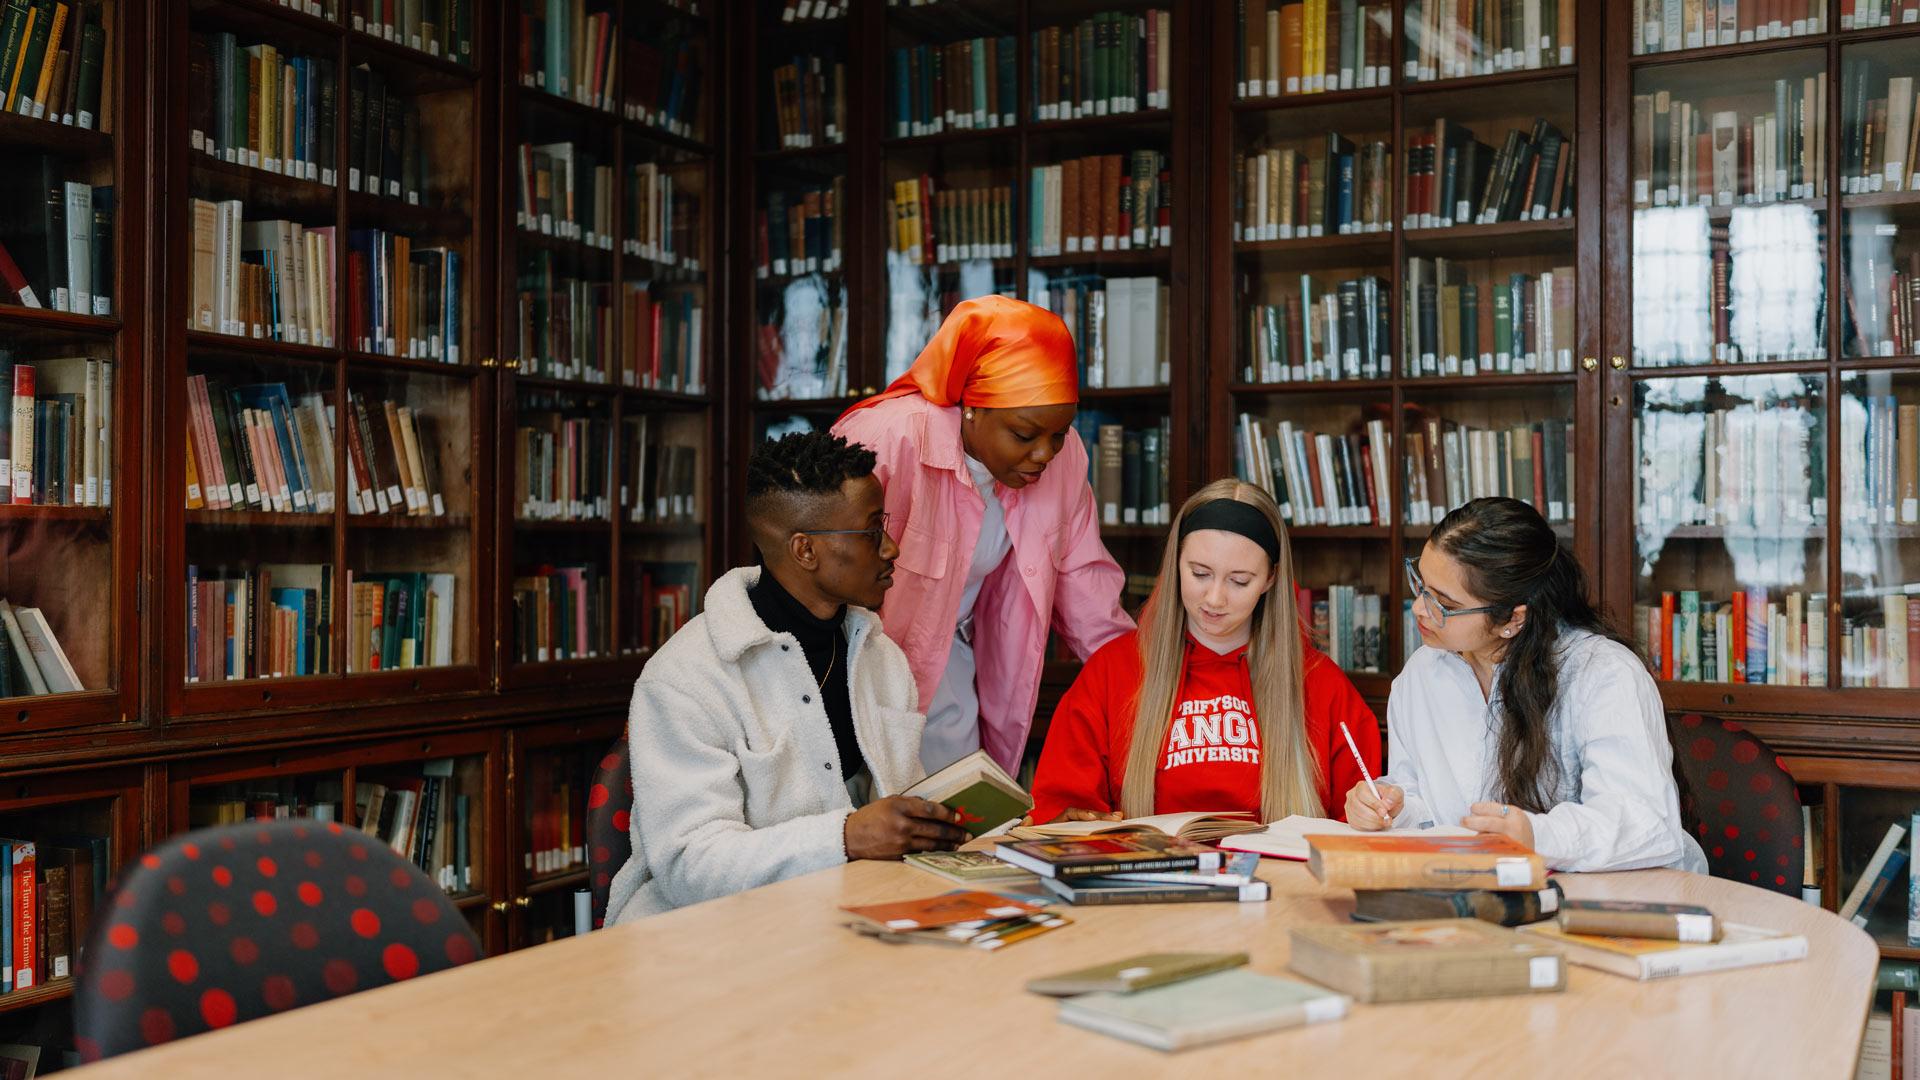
1368, 814
1500, 818
889, 828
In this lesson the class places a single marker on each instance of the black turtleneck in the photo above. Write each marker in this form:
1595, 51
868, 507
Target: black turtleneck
824, 641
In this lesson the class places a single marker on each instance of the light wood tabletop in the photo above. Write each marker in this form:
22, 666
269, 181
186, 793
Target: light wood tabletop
770, 983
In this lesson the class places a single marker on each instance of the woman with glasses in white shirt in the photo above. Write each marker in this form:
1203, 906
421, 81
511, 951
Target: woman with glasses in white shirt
1523, 713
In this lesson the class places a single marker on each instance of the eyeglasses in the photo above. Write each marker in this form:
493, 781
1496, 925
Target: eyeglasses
1420, 592
876, 534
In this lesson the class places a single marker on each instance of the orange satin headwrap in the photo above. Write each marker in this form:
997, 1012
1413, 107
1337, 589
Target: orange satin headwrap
994, 352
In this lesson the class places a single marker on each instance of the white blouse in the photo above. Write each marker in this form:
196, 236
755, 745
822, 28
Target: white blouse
1616, 807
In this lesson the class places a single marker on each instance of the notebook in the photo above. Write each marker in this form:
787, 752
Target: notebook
1209, 1009
1287, 838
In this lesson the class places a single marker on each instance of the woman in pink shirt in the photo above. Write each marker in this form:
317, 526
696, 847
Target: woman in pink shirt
987, 496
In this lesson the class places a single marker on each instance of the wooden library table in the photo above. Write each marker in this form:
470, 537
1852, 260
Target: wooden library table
769, 983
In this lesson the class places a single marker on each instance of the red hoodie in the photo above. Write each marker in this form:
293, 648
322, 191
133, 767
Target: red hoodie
1211, 760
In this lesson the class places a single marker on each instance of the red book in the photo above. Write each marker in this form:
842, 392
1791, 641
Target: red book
1666, 635
22, 448
1737, 635
15, 281
25, 930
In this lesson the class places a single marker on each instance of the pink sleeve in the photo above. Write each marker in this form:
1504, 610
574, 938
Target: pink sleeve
879, 432
1086, 603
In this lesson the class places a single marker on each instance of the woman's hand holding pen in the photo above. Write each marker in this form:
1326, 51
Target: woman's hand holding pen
1369, 812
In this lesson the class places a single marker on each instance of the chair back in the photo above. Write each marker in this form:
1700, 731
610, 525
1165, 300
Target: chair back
223, 925
609, 813
1739, 802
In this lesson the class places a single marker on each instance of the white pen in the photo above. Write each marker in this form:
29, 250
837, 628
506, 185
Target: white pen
1358, 760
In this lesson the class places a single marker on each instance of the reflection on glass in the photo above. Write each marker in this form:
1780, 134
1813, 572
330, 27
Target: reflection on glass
1881, 279
1880, 538
1751, 289
803, 340
1730, 509
919, 297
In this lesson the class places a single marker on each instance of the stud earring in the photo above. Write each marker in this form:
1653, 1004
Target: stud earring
968, 414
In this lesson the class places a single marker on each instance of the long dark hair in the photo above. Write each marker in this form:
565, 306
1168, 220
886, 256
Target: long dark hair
1511, 557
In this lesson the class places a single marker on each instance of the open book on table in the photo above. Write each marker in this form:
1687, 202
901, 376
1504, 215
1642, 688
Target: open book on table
1287, 838
1200, 827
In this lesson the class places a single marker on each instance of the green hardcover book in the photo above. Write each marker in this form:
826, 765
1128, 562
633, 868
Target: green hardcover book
979, 789
977, 50
1209, 1009
13, 27
1135, 973
32, 55
1503, 328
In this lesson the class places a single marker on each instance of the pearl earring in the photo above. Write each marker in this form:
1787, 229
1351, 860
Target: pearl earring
968, 414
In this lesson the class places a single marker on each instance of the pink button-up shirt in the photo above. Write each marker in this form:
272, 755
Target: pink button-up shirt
1058, 575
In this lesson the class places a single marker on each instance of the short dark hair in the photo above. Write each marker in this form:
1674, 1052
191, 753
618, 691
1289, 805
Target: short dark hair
806, 463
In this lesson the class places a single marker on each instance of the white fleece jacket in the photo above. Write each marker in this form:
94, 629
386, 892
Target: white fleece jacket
736, 775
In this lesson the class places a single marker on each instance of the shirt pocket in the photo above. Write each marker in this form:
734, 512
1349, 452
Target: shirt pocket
924, 553
766, 774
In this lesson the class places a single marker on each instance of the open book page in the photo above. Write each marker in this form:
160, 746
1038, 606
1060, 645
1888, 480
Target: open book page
1287, 838
1193, 825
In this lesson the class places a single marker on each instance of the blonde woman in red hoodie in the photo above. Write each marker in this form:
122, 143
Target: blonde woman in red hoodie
1217, 702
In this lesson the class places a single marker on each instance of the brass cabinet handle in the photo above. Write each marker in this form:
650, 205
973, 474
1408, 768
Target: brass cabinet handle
1589, 363
523, 902
499, 907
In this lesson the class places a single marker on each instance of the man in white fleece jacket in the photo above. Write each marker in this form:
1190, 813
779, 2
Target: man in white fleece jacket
771, 736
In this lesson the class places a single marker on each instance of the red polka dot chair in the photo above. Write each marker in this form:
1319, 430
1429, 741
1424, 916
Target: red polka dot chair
609, 812
1739, 802
230, 924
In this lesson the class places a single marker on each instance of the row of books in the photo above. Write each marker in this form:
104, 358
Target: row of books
317, 799
667, 592
441, 28
662, 87
562, 466
559, 613
1311, 48
664, 340
812, 10
556, 813
57, 431
1881, 310
568, 51
565, 323
932, 227
256, 106
1455, 179
961, 85
564, 191
1460, 320
270, 620
50, 891
1110, 63
801, 231
1687, 155
56, 240
810, 101
401, 300
1348, 625
253, 447
268, 279
1757, 635
801, 342
386, 150
430, 820
1672, 25
1880, 462
1132, 473
31, 659
663, 216
1109, 202
52, 62
659, 483
1120, 327
1338, 188
1877, 135
1751, 468
1318, 478
1691, 317
1451, 464
1451, 39
392, 468
400, 620
1882, 646
1320, 332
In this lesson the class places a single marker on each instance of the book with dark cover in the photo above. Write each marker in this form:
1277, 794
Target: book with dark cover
1135, 973
101, 249
1095, 891
979, 789
13, 25
1640, 919
1425, 960
1509, 908
33, 53
1096, 856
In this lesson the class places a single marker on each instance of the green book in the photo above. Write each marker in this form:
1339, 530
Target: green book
12, 27
32, 54
1503, 328
979, 789
970, 868
1135, 973
1209, 1009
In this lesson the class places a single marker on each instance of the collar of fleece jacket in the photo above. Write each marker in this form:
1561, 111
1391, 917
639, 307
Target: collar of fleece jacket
734, 627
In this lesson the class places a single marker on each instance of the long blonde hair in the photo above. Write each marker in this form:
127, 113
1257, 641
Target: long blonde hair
1289, 774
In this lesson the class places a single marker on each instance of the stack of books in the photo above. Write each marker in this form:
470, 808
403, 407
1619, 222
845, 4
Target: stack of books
1171, 1001
1645, 940
980, 920
1153, 860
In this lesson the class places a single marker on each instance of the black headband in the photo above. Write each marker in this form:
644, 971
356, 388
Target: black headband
1234, 516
